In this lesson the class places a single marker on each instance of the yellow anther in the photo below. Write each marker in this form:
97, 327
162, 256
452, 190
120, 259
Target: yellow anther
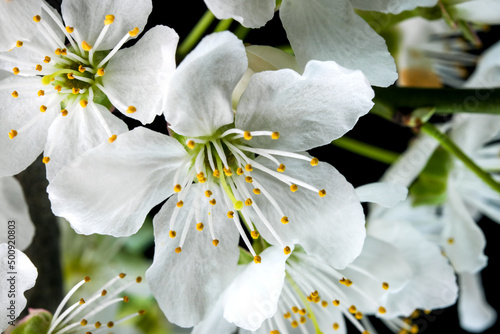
274, 332
230, 214
303, 320
295, 309
254, 234
58, 51
248, 168
126, 299
294, 324
71, 76
212, 201
178, 250
75, 90
15, 94
64, 52
382, 310
64, 112
109, 19
385, 285
451, 241
43, 108
110, 324
112, 138
131, 109
208, 193
335, 326
97, 324
287, 315
287, 250
141, 312
343, 280
122, 275
177, 188
275, 135
228, 171
15, 70
104, 293
82, 301
415, 314
134, 32
336, 302
46, 59
309, 298
190, 144
37, 18
247, 135
281, 168
324, 303
358, 315
248, 202
81, 69
180, 204
19, 44
216, 172
215, 242
257, 259
38, 67
414, 329
70, 30
58, 88
138, 279
256, 191
83, 103
86, 279
200, 175
322, 193
84, 322
240, 171
293, 188
348, 282
100, 72
302, 311
314, 161
199, 226
352, 309
45, 160
249, 179
86, 46
284, 220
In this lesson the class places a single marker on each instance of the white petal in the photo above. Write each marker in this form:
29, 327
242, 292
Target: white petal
432, 283
214, 322
111, 189
200, 101
471, 132
487, 71
23, 149
383, 193
77, 133
331, 30
14, 210
17, 21
88, 18
23, 280
253, 295
250, 13
392, 6
479, 11
330, 227
475, 314
188, 284
138, 76
309, 110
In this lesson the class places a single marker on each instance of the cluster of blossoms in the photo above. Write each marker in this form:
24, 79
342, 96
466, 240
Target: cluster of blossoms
251, 232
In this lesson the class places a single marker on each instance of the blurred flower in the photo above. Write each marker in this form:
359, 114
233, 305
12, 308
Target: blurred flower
58, 96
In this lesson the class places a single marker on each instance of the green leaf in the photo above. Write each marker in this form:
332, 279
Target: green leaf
37, 322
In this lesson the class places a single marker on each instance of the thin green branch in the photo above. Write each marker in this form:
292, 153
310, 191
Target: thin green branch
453, 149
366, 150
195, 35
223, 25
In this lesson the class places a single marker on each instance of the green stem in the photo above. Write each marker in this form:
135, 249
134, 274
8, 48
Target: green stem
195, 35
366, 150
452, 148
223, 25
241, 32
306, 303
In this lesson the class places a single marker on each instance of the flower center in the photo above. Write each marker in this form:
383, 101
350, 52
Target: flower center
227, 161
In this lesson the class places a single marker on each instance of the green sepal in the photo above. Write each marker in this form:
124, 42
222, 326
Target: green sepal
245, 257
430, 187
37, 322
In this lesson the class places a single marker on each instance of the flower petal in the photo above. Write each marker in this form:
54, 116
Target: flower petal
471, 132
250, 13
331, 30
188, 284
13, 207
478, 11
330, 227
17, 21
15, 113
475, 314
253, 295
392, 6
327, 99
111, 189
486, 73
200, 101
138, 76
88, 18
23, 280
383, 193
72, 135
